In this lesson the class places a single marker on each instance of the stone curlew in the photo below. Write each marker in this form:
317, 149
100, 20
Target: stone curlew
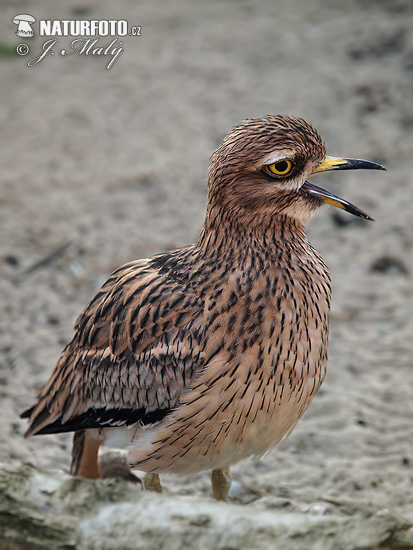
198, 358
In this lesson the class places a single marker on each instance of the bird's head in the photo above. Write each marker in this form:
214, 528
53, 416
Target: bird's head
262, 166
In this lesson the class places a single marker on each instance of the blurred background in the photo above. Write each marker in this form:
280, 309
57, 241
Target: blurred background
101, 166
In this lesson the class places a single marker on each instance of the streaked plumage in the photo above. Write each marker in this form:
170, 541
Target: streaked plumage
203, 356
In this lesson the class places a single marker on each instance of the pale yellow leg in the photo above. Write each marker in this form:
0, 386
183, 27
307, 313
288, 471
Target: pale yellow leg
221, 483
151, 482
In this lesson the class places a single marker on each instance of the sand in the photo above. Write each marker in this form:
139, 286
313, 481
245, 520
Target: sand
100, 166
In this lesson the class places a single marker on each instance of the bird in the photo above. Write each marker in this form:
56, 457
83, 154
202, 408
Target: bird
201, 357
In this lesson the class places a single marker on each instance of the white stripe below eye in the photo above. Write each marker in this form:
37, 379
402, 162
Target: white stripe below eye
290, 185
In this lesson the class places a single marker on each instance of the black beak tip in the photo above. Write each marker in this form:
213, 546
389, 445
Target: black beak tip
356, 164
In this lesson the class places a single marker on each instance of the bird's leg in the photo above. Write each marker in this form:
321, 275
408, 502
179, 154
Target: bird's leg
85, 456
151, 482
221, 483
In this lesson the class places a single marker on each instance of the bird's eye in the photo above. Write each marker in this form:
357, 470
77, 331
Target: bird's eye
281, 168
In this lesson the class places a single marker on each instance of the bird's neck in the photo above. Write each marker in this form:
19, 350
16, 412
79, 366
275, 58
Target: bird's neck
231, 230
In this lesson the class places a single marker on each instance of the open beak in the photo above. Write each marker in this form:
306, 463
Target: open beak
334, 163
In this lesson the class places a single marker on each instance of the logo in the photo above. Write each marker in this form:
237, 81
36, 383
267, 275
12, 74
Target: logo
24, 25
88, 37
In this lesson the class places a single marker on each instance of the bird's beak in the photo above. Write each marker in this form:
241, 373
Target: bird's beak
334, 163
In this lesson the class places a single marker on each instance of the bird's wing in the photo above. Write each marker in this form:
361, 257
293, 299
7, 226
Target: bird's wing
136, 347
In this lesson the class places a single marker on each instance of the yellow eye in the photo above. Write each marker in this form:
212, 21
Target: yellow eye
281, 168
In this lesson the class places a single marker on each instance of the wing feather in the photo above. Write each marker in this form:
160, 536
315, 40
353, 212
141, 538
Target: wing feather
136, 347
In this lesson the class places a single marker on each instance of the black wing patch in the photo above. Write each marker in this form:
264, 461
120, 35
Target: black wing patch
103, 418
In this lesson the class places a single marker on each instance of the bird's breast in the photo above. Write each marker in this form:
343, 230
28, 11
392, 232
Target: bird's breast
266, 355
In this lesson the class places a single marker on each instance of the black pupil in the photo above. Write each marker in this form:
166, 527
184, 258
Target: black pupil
282, 166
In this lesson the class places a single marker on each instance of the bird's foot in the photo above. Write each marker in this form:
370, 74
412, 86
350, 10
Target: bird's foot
221, 483
151, 482
115, 464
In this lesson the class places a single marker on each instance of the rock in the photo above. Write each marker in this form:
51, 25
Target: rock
42, 509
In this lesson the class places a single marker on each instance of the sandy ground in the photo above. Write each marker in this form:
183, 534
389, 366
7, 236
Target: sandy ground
102, 166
